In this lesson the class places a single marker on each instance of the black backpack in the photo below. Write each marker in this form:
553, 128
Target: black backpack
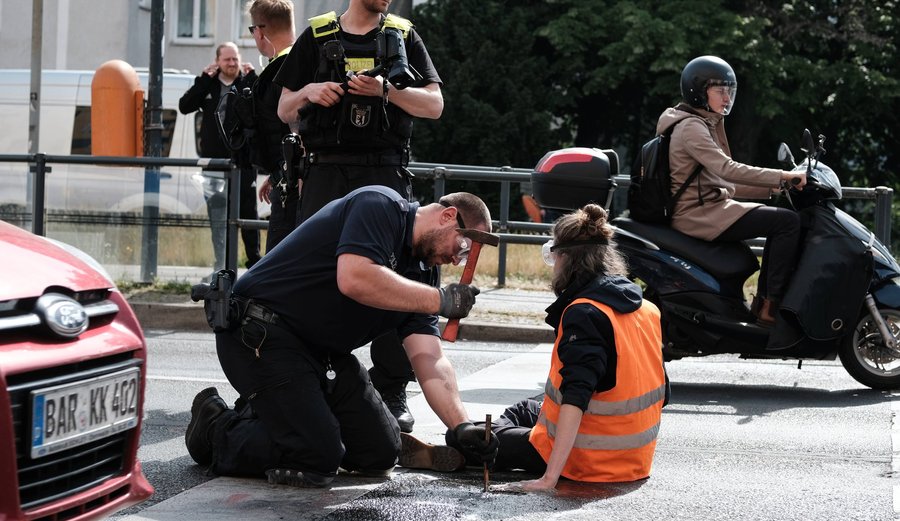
650, 198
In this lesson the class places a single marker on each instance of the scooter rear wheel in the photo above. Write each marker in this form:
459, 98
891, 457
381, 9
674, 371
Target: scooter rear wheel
865, 356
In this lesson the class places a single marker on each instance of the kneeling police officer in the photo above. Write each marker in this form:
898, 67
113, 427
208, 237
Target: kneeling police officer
362, 266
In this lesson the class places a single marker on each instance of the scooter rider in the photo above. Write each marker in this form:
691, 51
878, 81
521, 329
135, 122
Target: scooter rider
709, 211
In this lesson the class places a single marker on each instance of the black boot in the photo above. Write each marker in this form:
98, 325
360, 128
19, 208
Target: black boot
207, 406
395, 399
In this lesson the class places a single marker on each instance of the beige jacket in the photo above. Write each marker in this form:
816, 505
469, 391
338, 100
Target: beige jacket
703, 141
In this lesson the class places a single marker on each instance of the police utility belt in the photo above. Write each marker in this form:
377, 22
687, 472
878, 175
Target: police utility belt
358, 159
250, 309
225, 311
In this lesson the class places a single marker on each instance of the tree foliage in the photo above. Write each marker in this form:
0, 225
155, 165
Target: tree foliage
525, 77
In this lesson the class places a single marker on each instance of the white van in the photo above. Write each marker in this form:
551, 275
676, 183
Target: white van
65, 129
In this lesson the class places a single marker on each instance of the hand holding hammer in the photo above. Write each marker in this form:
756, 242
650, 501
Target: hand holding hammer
478, 238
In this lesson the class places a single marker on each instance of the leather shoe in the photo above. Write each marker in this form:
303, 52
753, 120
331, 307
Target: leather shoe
416, 454
395, 399
207, 406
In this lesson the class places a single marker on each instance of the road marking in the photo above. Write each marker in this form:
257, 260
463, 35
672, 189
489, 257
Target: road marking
187, 379
895, 448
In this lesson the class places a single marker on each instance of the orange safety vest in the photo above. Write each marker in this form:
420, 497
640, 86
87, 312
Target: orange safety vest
617, 435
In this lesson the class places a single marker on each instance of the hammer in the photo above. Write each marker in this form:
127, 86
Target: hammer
478, 238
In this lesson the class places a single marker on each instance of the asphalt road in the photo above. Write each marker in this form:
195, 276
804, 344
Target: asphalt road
740, 440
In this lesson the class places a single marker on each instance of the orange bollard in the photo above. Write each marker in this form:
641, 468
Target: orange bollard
116, 114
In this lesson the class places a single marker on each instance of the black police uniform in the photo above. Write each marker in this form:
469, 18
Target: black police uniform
204, 95
299, 329
351, 145
343, 156
266, 154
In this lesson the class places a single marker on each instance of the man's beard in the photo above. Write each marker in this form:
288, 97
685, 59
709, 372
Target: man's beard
426, 250
374, 6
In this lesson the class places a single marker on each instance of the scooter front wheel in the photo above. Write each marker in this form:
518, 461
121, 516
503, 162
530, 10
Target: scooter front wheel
865, 356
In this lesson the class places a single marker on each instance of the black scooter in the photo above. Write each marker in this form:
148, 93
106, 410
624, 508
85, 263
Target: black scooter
843, 299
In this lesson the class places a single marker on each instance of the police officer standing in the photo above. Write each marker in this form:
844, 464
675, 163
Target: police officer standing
356, 127
273, 32
214, 82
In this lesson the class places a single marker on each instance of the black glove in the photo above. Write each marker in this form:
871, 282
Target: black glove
470, 439
457, 300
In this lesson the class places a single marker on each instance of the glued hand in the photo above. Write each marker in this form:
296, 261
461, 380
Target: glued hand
471, 440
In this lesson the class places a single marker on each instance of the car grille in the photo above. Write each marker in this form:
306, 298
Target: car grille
23, 318
64, 473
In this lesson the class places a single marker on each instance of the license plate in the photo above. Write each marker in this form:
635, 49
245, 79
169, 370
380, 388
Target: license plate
73, 414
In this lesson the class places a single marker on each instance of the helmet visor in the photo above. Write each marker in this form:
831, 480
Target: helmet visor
720, 98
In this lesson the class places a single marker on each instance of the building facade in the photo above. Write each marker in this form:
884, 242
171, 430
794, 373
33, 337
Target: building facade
83, 34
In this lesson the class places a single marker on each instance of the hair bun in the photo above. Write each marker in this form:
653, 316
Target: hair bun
593, 222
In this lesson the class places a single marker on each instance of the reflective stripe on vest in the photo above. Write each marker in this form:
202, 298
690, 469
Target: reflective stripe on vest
602, 442
324, 24
616, 438
397, 22
620, 408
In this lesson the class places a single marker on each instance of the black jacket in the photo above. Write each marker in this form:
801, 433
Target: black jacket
204, 96
266, 152
588, 349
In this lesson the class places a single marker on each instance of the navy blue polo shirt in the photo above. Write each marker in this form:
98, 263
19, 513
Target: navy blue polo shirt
298, 279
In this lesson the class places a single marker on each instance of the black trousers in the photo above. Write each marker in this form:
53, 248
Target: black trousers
323, 183
248, 211
295, 418
781, 228
512, 429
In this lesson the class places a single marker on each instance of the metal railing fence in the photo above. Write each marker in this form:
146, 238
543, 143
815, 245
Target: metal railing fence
511, 232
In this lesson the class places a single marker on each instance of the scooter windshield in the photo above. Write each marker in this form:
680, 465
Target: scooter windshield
826, 177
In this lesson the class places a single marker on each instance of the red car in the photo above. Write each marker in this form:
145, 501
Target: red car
72, 374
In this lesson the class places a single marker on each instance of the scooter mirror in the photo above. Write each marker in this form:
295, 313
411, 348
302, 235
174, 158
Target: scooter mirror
785, 155
807, 144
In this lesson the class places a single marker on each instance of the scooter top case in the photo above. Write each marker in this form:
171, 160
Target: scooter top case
570, 178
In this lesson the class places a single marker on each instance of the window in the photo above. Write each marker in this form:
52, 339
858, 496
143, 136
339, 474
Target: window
194, 20
243, 21
81, 131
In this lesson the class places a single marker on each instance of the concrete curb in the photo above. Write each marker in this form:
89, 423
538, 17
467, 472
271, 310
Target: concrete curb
190, 317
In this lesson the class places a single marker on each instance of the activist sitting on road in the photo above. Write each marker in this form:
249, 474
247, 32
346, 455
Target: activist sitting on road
710, 212
361, 266
607, 385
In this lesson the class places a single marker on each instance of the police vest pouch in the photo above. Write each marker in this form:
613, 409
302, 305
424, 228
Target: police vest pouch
358, 121
361, 119
221, 314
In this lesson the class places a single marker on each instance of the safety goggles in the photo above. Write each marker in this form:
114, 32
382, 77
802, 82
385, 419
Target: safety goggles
548, 254
548, 250
462, 255
465, 245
